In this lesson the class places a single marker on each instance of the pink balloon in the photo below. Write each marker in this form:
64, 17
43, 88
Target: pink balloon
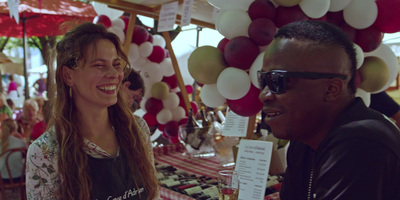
140, 35
261, 9
102, 19
368, 39
164, 135
174, 140
262, 31
153, 105
335, 17
161, 127
171, 81
183, 121
286, 15
150, 119
171, 128
126, 21
157, 55
189, 89
150, 38
222, 44
195, 108
388, 20
240, 52
248, 105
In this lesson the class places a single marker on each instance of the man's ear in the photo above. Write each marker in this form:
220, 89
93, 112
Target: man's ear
335, 89
67, 75
126, 84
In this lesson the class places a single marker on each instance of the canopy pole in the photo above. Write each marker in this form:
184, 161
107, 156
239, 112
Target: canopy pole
24, 49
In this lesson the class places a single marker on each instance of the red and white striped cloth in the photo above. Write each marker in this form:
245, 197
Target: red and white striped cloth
173, 155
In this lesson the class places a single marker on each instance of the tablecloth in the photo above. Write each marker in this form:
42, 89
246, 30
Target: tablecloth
174, 155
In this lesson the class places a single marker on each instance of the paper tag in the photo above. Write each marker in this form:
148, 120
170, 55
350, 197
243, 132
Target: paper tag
167, 17
186, 12
235, 125
252, 163
13, 9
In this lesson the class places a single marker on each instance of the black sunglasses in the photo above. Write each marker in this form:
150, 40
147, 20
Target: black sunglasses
276, 79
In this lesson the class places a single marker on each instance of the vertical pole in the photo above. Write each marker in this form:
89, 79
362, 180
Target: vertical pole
23, 20
129, 31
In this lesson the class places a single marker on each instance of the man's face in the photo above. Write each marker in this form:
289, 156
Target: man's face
132, 96
297, 113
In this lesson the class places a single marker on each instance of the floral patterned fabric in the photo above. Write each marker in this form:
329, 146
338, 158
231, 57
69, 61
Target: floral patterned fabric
42, 177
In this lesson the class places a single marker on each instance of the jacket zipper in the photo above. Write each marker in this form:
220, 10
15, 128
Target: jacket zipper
310, 185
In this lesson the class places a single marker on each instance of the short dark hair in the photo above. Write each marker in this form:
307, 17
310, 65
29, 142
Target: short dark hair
322, 33
135, 79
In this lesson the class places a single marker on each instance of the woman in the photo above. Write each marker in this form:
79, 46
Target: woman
94, 148
28, 119
9, 141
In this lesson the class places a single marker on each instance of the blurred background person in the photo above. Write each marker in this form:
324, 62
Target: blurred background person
28, 119
133, 88
5, 111
40, 85
12, 91
384, 104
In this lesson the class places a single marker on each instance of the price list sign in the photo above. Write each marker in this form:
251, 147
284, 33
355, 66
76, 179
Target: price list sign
252, 163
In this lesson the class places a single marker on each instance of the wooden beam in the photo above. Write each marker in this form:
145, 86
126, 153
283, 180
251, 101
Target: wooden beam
250, 127
129, 32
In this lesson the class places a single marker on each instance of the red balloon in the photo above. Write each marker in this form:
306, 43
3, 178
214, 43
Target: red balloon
368, 39
161, 127
388, 19
171, 128
358, 78
240, 52
171, 81
286, 15
164, 135
174, 140
248, 105
349, 31
150, 119
126, 21
157, 55
199, 84
261, 9
102, 19
183, 121
153, 105
189, 89
335, 17
195, 108
262, 31
140, 35
323, 18
150, 38
222, 44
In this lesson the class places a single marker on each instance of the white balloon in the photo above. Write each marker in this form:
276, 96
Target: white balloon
255, 67
151, 71
159, 40
233, 23
359, 55
338, 5
143, 103
164, 116
210, 96
117, 31
233, 83
119, 23
314, 8
178, 113
365, 96
133, 53
171, 102
145, 49
139, 63
355, 14
166, 67
386, 54
103, 9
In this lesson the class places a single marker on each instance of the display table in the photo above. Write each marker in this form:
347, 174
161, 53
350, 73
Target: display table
173, 155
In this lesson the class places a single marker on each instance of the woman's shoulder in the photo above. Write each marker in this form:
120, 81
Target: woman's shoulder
46, 143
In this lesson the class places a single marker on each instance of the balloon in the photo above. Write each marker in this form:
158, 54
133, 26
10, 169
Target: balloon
386, 54
157, 55
171, 129
171, 102
195, 107
233, 23
335, 17
210, 96
117, 31
222, 44
338, 5
183, 121
388, 20
164, 116
160, 90
174, 140
255, 67
151, 72
178, 113
358, 79
205, 64
374, 74
355, 13
286, 15
240, 52
287, 3
143, 103
153, 105
189, 89
145, 49
233, 88
314, 8
359, 55
140, 35
248, 105
365, 96
118, 23
150, 38
150, 119
140, 63
368, 39
262, 31
159, 40
133, 53
126, 22
102, 19
261, 9
171, 81
166, 67
103, 9
348, 30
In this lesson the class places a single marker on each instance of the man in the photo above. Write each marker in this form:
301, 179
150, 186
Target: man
340, 149
133, 88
